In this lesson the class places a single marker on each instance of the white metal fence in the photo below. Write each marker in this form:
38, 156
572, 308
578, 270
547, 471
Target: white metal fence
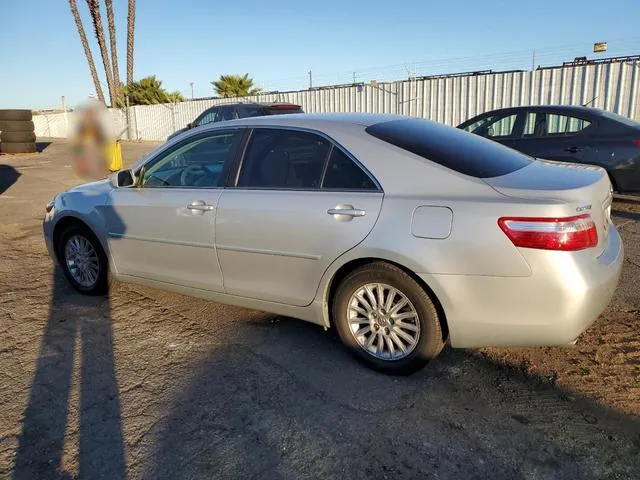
451, 100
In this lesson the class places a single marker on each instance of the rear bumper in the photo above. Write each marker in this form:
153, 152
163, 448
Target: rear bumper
564, 295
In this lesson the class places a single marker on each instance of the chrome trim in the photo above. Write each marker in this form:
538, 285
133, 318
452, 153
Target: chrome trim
333, 143
262, 251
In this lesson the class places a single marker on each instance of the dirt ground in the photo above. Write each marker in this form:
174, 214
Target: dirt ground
149, 384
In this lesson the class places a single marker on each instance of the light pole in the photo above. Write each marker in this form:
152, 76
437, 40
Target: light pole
191, 83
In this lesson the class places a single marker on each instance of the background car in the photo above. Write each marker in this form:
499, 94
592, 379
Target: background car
568, 133
399, 232
232, 111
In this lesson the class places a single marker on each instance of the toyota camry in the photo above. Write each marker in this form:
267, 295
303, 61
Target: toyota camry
402, 234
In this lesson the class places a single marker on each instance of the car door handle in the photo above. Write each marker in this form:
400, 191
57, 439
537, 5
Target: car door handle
200, 206
573, 149
346, 211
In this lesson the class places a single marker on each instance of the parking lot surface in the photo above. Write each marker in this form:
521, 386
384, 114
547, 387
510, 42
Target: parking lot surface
149, 384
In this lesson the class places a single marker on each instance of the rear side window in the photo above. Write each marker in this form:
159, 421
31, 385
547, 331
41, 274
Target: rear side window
343, 174
284, 159
541, 124
451, 147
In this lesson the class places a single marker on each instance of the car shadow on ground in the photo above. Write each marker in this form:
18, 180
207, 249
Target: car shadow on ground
8, 176
293, 404
77, 337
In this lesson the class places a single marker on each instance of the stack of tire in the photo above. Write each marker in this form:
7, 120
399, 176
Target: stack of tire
16, 132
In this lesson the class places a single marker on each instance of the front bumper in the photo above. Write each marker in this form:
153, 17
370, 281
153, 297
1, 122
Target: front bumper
47, 230
564, 295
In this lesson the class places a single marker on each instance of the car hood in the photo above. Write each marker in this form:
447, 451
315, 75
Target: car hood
101, 186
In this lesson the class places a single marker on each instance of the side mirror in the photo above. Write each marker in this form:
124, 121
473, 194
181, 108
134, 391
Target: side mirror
190, 125
123, 178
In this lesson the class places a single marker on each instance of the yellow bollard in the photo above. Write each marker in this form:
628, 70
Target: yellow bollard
114, 156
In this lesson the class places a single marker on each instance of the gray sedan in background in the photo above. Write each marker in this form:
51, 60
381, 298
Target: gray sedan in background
401, 233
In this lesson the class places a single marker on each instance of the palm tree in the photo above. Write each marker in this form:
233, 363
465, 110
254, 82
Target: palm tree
114, 52
94, 9
131, 19
87, 50
235, 86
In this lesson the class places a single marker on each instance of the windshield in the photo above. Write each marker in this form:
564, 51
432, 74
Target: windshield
619, 118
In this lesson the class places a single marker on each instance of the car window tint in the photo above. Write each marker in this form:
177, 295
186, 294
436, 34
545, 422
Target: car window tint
451, 147
541, 124
225, 113
248, 112
493, 126
278, 158
209, 117
197, 163
343, 173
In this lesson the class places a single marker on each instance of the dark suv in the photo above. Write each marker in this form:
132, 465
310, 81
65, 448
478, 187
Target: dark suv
568, 133
231, 111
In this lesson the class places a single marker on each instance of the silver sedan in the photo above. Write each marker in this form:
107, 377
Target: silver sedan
401, 233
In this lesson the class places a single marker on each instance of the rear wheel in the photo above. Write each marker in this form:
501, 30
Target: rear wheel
387, 320
83, 260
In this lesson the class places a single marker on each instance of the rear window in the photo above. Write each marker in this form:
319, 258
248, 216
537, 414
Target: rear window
450, 147
282, 109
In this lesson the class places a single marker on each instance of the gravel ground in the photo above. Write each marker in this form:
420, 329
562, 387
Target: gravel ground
149, 384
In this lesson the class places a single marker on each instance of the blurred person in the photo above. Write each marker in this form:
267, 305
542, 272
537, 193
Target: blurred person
90, 138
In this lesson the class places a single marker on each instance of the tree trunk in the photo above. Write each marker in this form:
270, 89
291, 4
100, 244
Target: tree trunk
114, 52
131, 20
94, 9
87, 50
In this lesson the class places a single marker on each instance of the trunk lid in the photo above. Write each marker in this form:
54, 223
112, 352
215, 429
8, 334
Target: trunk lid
585, 188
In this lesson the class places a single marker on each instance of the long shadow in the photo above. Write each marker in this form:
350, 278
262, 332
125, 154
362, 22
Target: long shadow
77, 343
294, 405
8, 176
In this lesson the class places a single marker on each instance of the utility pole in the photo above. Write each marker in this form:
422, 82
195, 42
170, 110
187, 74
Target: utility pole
191, 83
310, 80
533, 61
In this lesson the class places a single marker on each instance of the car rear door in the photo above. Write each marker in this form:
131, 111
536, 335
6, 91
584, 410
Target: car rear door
298, 203
556, 135
164, 229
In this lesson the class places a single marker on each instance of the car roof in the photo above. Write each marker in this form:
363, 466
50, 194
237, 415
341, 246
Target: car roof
534, 108
253, 104
312, 120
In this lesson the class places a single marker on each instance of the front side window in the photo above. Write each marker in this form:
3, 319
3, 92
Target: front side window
540, 124
197, 163
290, 159
493, 126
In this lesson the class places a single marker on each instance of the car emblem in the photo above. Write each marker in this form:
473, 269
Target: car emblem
583, 208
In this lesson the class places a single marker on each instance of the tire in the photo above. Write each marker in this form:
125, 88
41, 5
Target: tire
16, 126
11, 137
17, 147
16, 115
79, 234
427, 343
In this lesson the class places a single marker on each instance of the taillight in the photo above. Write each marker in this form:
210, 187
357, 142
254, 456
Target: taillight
636, 142
568, 234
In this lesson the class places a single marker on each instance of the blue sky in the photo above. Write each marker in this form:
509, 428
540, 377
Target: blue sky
278, 42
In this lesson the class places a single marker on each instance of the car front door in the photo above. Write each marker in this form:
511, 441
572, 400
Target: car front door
504, 127
163, 229
298, 203
555, 135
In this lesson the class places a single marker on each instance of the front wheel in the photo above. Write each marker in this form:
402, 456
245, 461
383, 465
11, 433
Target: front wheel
387, 320
83, 261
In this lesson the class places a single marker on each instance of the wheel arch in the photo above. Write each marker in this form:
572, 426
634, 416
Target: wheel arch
351, 265
65, 222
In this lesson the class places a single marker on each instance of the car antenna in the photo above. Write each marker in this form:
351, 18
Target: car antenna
590, 101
